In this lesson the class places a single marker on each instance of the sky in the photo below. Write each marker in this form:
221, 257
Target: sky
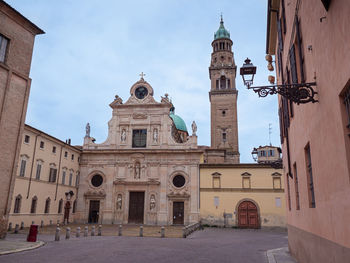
95, 49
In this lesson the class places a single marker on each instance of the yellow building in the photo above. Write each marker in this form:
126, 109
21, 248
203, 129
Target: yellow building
242, 195
47, 180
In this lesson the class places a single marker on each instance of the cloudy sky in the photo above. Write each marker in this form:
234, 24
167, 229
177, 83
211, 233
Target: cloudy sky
95, 49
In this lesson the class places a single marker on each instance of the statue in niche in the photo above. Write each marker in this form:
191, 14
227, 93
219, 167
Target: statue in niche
194, 128
119, 202
155, 135
152, 203
87, 129
123, 137
137, 171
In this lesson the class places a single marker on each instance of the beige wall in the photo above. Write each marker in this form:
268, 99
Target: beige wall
231, 193
14, 93
28, 186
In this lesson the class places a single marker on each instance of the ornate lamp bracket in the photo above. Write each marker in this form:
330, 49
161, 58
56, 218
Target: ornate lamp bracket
297, 92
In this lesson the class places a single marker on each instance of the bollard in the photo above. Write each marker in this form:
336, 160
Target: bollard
141, 231
86, 231
120, 230
42, 223
67, 232
10, 227
22, 225
57, 235
16, 229
78, 232
92, 231
184, 232
99, 230
162, 232
50, 222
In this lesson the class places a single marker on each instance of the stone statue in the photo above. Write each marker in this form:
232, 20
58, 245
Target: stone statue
123, 137
87, 129
119, 202
194, 128
152, 203
137, 171
155, 135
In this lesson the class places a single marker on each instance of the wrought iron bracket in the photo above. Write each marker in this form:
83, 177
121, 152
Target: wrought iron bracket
297, 92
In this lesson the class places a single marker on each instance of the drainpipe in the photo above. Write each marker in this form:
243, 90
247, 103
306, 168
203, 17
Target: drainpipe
32, 167
59, 172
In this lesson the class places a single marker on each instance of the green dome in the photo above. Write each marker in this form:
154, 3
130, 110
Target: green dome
178, 121
222, 32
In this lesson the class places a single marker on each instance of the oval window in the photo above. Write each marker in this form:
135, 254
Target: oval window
96, 180
179, 181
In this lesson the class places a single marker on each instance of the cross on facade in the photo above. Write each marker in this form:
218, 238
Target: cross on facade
142, 75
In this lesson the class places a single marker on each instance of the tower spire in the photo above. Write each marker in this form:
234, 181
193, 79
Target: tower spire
221, 19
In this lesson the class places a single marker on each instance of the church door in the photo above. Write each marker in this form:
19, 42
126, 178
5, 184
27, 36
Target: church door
136, 207
178, 213
248, 215
94, 211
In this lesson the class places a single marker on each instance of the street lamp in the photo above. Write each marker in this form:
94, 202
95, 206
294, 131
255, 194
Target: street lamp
255, 154
296, 92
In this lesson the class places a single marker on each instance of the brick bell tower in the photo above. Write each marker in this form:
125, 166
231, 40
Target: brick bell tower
223, 99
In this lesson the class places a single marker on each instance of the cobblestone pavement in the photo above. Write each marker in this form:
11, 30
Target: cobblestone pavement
209, 245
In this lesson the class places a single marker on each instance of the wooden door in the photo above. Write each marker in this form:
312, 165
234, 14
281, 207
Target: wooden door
248, 215
94, 211
136, 207
178, 213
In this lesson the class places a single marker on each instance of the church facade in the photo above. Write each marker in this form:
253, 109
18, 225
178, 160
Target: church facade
147, 170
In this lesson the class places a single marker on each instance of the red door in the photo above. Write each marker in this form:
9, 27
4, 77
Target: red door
248, 215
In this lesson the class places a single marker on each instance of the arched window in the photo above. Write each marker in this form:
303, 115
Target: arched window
18, 201
33, 206
47, 205
223, 82
60, 205
70, 177
74, 206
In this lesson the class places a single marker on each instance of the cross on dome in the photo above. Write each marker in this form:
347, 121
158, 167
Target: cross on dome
142, 75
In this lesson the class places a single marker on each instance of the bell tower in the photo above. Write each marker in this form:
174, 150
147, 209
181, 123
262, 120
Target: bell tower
223, 97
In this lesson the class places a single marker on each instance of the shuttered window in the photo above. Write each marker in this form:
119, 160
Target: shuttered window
347, 105
283, 18
293, 65
23, 168
300, 50
279, 31
38, 171
312, 201
3, 47
52, 175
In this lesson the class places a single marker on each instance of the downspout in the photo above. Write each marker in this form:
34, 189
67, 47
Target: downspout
59, 171
32, 167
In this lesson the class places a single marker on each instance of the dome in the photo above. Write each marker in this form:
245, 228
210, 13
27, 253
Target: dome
222, 32
178, 121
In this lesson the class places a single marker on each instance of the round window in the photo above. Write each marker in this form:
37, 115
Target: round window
96, 180
179, 181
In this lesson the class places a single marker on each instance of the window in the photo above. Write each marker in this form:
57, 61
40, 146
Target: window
276, 182
42, 145
216, 201
262, 153
3, 47
60, 204
63, 177
52, 175
77, 180
296, 187
278, 201
33, 206
326, 4
70, 178
23, 168
310, 181
26, 138
54, 149
346, 98
72, 157
246, 182
97, 180
224, 136
65, 154
38, 171
288, 192
272, 153
139, 138
216, 180
47, 205
179, 181
17, 207
223, 113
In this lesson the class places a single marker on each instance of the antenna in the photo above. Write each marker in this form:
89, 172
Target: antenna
270, 131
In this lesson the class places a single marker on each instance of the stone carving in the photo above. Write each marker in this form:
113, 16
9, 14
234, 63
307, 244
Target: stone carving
119, 202
155, 135
194, 128
165, 99
123, 136
139, 116
137, 172
152, 203
87, 129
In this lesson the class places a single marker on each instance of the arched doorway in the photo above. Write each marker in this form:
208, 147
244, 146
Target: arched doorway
248, 216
